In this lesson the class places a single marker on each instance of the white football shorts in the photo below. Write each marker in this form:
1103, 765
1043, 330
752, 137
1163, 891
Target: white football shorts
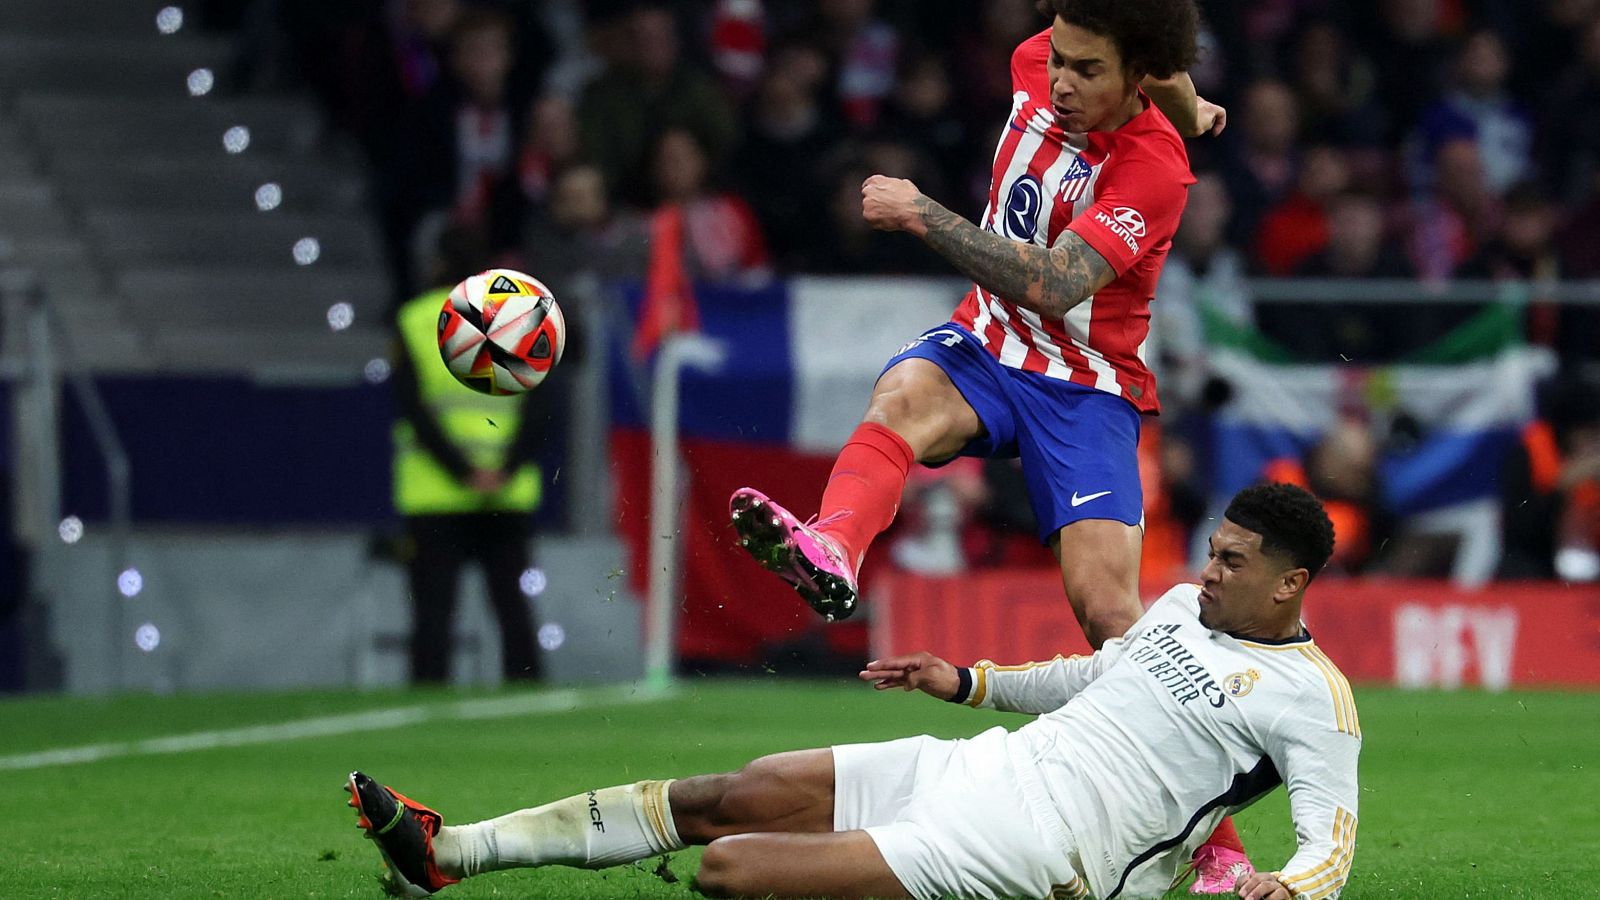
956, 818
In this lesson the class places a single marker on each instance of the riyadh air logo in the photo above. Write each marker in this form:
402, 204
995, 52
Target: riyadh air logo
1125, 222
1022, 208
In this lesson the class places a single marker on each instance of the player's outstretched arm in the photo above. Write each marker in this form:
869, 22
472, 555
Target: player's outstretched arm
1261, 886
914, 672
1047, 280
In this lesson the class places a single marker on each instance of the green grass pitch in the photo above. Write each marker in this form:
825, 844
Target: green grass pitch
1463, 794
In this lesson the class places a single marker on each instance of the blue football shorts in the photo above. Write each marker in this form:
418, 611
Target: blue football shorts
1079, 446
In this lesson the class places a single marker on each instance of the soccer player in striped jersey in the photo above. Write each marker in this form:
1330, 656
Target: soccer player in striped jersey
1044, 358
1213, 699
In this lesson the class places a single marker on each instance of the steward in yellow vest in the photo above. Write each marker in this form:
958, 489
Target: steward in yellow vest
466, 484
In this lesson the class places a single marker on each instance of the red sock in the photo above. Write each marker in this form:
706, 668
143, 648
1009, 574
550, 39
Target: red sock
1226, 836
866, 483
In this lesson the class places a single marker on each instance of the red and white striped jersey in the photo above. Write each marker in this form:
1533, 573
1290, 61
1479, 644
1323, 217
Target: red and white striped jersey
1123, 192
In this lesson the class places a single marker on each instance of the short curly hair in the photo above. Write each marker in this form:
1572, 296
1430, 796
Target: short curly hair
1155, 37
1291, 522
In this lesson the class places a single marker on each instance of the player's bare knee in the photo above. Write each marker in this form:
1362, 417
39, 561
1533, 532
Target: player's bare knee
721, 870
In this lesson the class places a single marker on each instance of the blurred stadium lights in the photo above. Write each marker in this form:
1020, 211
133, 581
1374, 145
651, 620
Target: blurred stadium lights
341, 315
147, 637
70, 529
376, 371
201, 81
236, 139
552, 636
130, 582
307, 250
268, 196
169, 20
533, 582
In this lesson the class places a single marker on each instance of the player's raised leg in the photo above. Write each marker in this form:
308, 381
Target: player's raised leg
1100, 569
916, 414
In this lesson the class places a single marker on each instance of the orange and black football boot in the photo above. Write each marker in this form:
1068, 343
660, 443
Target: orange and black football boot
403, 829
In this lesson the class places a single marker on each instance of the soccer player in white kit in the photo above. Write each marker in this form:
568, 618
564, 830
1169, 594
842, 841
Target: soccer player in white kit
1215, 697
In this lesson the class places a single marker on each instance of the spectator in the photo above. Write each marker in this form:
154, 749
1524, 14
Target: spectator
575, 236
865, 53
1203, 276
780, 163
1550, 490
552, 144
984, 82
721, 239
1448, 223
1297, 228
1477, 108
1410, 50
1571, 144
1523, 248
1262, 165
920, 114
649, 89
1358, 247
1335, 87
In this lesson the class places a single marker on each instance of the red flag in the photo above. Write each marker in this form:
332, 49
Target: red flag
669, 304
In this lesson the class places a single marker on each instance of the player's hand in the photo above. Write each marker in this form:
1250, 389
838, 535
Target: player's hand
1261, 886
1209, 117
914, 672
890, 204
486, 481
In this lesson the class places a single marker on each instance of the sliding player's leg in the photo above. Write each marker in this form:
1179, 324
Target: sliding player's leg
599, 828
938, 398
846, 864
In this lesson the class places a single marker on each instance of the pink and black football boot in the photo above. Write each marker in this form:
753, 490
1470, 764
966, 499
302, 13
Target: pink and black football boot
796, 551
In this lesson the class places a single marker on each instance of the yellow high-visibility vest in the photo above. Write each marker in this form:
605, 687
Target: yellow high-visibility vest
481, 425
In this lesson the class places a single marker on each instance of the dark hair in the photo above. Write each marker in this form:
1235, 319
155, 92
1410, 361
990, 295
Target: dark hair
1290, 520
1155, 37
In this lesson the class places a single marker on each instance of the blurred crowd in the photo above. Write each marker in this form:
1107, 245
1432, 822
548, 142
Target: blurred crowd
1401, 139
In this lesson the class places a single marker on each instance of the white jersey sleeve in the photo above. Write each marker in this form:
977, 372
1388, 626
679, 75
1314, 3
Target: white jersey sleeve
1038, 687
1315, 745
1041, 687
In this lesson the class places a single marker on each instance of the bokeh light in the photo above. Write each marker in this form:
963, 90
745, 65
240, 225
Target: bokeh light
552, 636
268, 196
147, 637
377, 370
70, 529
533, 582
341, 315
307, 250
236, 139
130, 582
201, 81
169, 20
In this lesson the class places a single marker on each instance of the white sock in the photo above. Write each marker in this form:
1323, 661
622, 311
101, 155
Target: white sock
602, 828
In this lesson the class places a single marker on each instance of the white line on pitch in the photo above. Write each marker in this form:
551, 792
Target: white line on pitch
323, 726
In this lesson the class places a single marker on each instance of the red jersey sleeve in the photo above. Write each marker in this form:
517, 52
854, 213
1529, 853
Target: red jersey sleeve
1028, 70
1137, 206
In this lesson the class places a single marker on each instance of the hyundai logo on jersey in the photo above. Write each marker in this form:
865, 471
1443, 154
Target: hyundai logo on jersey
1022, 208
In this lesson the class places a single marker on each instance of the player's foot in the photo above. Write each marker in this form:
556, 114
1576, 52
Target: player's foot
1216, 869
797, 552
403, 829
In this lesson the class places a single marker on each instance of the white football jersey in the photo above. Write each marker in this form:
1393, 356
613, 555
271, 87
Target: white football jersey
1147, 744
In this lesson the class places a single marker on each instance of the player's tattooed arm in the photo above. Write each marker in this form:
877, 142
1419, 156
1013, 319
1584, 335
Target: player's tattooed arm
1050, 281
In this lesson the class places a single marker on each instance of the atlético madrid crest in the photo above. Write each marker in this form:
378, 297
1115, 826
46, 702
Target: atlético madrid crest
1240, 683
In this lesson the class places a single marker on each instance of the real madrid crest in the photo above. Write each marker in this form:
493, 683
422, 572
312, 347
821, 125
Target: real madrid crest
1240, 683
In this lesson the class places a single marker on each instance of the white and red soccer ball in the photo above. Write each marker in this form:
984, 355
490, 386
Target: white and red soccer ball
501, 332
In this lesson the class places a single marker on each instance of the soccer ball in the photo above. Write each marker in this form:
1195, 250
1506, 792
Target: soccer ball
501, 332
